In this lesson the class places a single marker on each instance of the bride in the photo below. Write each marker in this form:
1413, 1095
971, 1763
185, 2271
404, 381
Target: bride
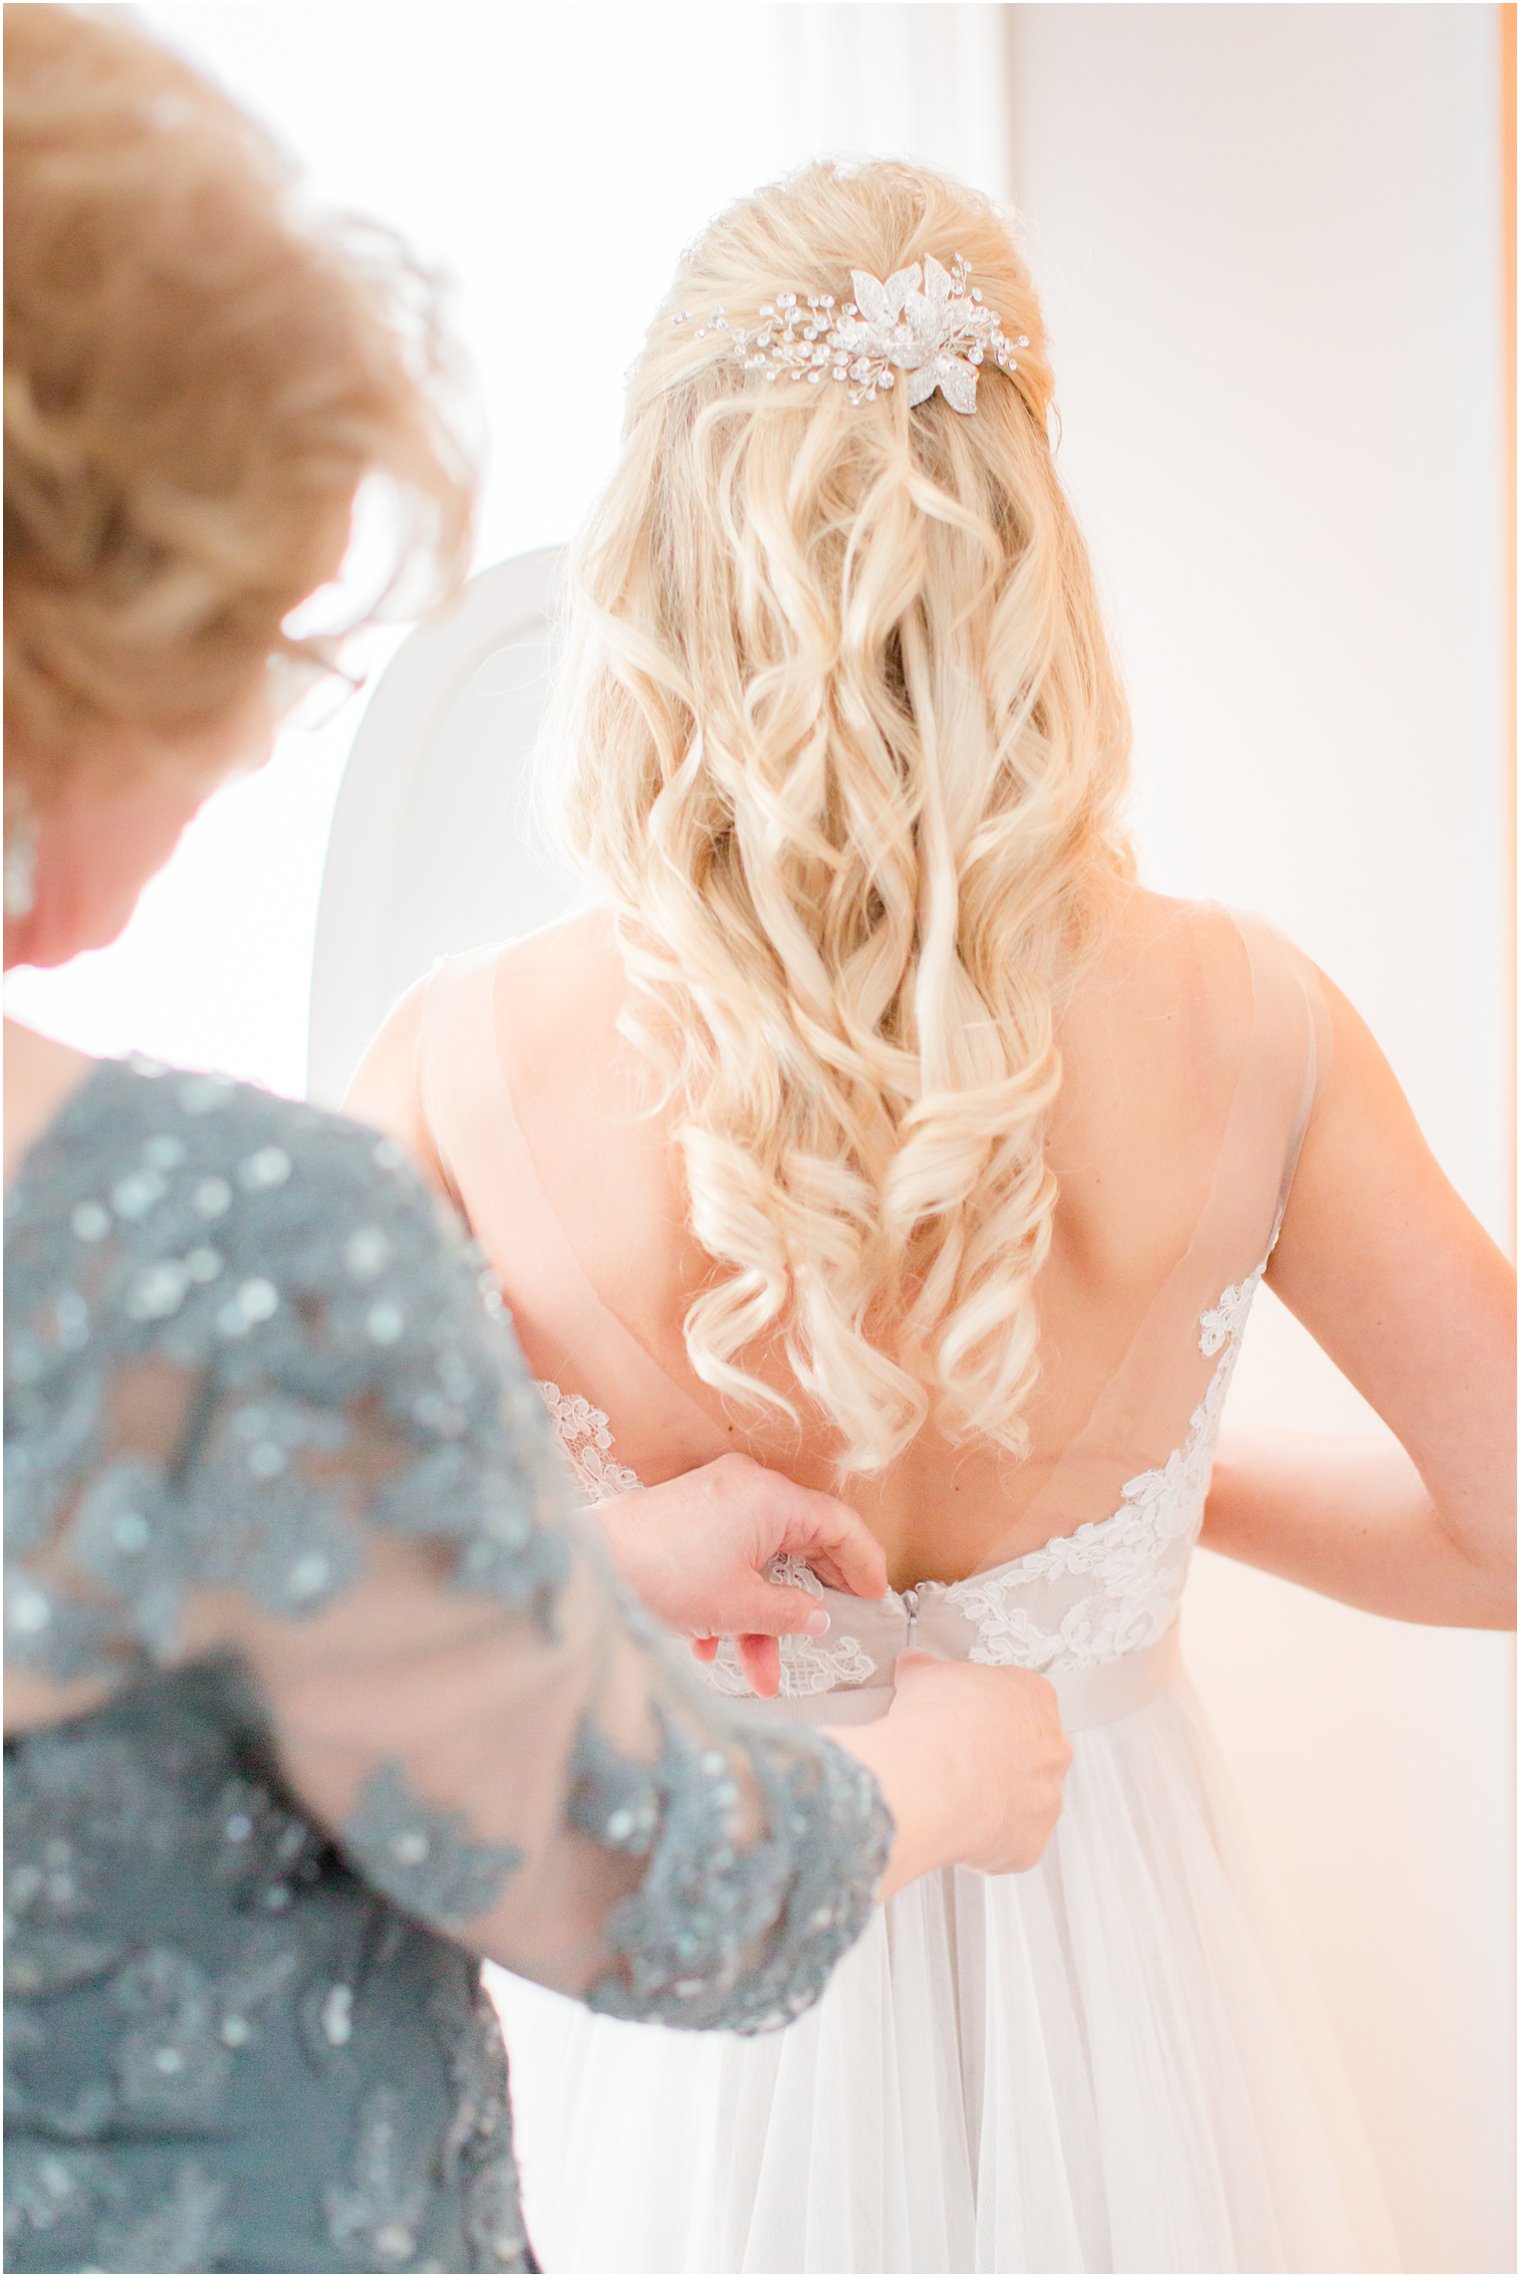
876, 1122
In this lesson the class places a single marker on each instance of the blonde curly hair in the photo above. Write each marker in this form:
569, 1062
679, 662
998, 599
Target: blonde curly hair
847, 750
197, 383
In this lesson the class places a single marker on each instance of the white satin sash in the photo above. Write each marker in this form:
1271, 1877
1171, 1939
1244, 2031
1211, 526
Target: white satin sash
1088, 1697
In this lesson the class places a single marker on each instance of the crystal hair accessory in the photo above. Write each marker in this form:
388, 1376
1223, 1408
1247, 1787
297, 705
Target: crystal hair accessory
928, 323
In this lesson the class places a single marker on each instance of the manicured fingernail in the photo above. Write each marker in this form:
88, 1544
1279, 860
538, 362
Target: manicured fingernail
817, 1624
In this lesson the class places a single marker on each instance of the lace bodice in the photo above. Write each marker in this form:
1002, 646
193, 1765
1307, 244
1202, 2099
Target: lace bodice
1192, 1050
283, 1509
1112, 1587
585, 1439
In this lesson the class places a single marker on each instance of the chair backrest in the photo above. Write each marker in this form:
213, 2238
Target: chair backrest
431, 849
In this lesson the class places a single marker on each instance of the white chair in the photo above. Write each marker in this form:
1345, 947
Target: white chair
431, 849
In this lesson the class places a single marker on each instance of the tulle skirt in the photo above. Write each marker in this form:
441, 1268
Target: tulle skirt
1109, 2063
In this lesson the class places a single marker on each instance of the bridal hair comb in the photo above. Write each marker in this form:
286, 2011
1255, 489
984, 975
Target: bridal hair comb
929, 323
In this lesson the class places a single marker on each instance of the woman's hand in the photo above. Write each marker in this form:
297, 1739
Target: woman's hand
972, 1762
695, 1550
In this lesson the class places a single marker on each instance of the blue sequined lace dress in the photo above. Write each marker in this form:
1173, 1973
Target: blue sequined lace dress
340, 1701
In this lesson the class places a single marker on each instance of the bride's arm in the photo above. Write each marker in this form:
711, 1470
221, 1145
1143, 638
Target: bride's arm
1352, 1518
1395, 1279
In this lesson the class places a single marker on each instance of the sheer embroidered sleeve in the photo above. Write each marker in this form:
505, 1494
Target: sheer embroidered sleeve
283, 1425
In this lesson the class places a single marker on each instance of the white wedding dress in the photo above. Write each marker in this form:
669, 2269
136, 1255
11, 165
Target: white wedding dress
1107, 2063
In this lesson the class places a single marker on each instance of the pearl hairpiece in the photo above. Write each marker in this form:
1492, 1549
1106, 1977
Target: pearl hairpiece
928, 323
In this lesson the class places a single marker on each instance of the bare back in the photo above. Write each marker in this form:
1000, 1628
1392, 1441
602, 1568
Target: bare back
1190, 1045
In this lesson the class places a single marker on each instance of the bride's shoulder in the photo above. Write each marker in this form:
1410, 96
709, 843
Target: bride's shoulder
1207, 948
559, 980
556, 995
577, 948
1147, 950
1136, 914
1186, 992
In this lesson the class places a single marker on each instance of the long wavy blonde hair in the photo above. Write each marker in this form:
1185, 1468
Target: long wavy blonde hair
846, 747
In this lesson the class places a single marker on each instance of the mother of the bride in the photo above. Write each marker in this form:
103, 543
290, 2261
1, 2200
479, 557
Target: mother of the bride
313, 1693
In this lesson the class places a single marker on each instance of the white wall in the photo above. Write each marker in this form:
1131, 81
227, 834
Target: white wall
1269, 244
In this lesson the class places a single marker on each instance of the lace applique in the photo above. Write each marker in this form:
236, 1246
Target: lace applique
477, 2148
377, 2215
60, 2196
809, 1785
169, 2062
75, 1820
808, 1664
1129, 1569
586, 1437
308, 1293
424, 1858
1227, 1319
56, 2200
679, 1938
685, 1939
159, 2032
185, 2027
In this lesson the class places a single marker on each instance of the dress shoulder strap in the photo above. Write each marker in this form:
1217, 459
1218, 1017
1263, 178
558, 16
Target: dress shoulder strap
487, 1159
459, 1075
1291, 1036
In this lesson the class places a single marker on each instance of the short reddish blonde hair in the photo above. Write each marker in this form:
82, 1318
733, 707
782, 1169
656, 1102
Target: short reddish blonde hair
197, 383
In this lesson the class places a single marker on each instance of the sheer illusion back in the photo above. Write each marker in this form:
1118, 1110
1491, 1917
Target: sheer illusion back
1192, 1045
1094, 2065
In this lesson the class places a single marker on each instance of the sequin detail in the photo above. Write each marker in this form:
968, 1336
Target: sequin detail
426, 1859
376, 2214
371, 1302
250, 1364
685, 1940
57, 2200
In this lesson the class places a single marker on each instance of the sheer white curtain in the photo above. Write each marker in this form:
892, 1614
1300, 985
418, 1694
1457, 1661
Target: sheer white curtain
551, 160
